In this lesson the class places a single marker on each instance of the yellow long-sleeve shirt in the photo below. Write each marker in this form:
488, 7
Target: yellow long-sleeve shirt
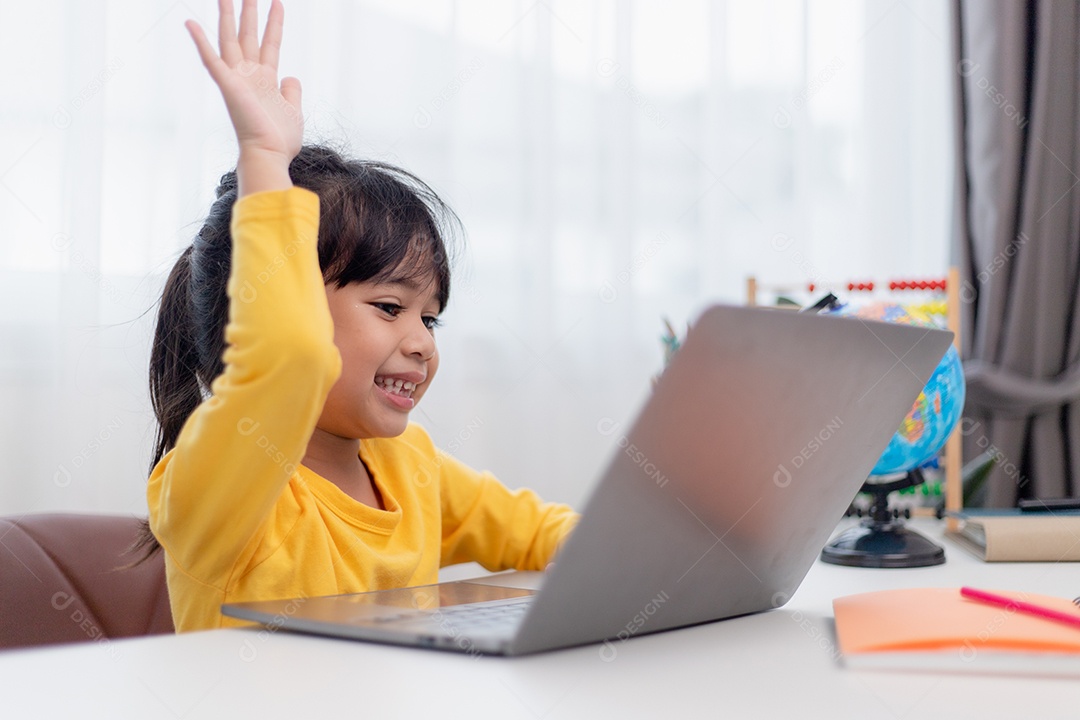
239, 518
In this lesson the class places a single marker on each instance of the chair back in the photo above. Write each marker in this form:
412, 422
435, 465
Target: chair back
62, 579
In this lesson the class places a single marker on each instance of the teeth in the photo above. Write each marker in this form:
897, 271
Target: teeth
396, 386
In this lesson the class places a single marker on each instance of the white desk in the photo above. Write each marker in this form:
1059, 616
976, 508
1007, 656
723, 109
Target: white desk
777, 664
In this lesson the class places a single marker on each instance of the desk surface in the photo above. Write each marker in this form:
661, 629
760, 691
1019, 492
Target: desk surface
776, 664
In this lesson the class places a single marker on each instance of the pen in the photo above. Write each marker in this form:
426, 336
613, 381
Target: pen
1020, 606
670, 341
825, 303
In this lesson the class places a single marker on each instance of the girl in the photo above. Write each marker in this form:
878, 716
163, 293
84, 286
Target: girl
294, 337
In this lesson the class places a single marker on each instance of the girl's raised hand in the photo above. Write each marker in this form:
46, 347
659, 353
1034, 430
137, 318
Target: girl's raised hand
265, 114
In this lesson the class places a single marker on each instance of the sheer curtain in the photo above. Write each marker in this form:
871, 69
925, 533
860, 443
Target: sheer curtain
613, 163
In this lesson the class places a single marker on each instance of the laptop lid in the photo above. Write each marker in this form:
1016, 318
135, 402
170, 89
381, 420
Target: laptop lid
717, 499
721, 495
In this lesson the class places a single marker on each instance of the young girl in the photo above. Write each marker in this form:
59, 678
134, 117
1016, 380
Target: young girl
294, 337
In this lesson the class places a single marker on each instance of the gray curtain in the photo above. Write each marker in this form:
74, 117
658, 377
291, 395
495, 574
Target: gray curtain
1017, 240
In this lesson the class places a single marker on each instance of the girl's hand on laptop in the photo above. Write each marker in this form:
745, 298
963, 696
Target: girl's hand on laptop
266, 114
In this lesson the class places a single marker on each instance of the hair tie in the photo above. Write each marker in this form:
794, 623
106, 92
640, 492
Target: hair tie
226, 183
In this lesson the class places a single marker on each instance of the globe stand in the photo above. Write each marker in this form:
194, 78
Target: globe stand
882, 540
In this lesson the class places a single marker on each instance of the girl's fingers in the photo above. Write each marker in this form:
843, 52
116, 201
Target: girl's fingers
271, 44
210, 60
290, 90
249, 30
230, 49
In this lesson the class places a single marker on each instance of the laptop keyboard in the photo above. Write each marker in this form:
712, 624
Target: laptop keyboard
468, 617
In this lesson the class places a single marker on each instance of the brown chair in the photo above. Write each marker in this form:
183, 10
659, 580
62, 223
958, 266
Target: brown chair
62, 579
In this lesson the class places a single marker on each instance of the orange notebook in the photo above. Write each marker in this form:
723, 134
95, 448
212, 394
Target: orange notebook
937, 629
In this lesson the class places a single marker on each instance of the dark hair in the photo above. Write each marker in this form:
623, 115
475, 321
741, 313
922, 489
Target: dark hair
376, 222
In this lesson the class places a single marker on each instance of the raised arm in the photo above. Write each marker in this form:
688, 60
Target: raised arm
210, 497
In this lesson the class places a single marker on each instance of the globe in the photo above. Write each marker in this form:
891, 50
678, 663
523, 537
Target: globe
936, 411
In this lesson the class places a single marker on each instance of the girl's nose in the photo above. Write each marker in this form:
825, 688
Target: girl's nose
419, 341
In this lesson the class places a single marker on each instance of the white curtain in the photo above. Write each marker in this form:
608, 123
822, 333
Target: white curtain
613, 164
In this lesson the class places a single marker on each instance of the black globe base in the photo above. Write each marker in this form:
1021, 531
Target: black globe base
882, 541
887, 546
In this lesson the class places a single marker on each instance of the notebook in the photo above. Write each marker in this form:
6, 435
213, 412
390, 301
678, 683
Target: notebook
714, 504
935, 629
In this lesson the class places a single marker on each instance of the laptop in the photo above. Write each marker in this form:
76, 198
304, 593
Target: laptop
715, 502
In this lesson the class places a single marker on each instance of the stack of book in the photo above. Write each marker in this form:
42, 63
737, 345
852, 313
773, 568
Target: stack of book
1014, 536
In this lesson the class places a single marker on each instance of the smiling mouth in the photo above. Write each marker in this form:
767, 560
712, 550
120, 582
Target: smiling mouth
403, 388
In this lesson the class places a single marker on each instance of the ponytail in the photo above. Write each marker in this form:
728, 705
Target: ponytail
189, 339
174, 381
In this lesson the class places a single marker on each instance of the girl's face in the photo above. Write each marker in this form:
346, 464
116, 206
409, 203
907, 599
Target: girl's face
385, 333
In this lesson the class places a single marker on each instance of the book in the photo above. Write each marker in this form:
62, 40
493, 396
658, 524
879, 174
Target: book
1015, 537
936, 629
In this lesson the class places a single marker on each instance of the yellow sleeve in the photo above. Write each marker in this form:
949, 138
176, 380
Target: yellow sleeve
210, 496
483, 521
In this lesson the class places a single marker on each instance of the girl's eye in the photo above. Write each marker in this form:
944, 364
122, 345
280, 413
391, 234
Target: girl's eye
391, 309
431, 322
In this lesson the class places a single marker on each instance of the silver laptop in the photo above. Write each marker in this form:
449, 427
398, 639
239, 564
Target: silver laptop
715, 503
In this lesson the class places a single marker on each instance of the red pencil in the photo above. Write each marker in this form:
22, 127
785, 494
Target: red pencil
1021, 606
